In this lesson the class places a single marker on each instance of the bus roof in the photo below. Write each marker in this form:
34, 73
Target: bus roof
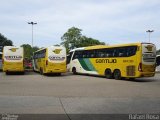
106, 46
46, 48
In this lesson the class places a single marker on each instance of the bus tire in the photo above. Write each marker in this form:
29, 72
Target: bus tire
108, 73
117, 74
41, 71
74, 71
58, 74
7, 73
22, 73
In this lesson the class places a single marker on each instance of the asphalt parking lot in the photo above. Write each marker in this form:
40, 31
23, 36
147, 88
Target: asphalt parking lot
69, 94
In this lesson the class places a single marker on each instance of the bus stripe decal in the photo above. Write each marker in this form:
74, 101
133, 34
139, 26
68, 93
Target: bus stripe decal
89, 64
86, 64
83, 64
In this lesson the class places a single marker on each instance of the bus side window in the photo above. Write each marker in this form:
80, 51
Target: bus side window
109, 52
100, 53
68, 59
77, 54
123, 52
91, 54
84, 54
116, 52
158, 61
131, 50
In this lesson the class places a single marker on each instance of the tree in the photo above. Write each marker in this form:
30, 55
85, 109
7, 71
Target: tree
4, 41
158, 52
85, 41
35, 48
73, 38
28, 50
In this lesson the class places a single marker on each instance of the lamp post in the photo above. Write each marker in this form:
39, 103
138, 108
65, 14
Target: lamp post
32, 23
149, 32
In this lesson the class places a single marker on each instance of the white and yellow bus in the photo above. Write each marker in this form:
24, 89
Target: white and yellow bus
13, 59
125, 60
50, 60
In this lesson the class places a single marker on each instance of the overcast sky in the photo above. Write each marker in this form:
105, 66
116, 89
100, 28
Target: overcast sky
110, 21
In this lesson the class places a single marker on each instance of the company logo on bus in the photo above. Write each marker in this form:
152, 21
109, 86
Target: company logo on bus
57, 58
57, 51
149, 47
13, 49
13, 57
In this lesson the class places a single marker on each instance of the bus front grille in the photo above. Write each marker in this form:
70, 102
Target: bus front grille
130, 70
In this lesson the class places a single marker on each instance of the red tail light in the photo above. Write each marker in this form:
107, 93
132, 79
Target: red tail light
46, 62
140, 67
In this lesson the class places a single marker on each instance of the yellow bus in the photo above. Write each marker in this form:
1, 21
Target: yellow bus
117, 61
50, 60
13, 59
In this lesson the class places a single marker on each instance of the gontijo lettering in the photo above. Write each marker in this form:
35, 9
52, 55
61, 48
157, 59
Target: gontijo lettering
106, 61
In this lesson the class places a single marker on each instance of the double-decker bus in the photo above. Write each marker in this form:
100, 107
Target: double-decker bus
117, 61
13, 59
50, 60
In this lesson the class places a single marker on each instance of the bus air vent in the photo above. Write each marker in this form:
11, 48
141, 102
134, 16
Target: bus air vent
130, 70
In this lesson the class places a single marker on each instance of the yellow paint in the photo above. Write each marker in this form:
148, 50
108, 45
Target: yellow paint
123, 62
50, 67
13, 49
57, 51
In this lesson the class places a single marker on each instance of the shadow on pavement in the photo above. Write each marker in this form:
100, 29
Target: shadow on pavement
145, 79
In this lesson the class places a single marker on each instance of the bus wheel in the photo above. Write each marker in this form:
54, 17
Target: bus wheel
58, 74
22, 73
108, 73
7, 73
41, 71
117, 74
74, 71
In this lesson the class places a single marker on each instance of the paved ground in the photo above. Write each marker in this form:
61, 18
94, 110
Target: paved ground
70, 94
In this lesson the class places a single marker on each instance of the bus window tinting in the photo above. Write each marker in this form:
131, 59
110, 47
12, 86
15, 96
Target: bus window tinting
40, 54
69, 57
158, 61
107, 52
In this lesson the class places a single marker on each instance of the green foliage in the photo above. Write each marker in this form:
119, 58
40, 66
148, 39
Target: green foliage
28, 50
4, 41
158, 52
73, 38
85, 41
35, 48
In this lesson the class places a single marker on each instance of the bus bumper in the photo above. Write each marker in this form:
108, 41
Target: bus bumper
55, 70
146, 74
13, 69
